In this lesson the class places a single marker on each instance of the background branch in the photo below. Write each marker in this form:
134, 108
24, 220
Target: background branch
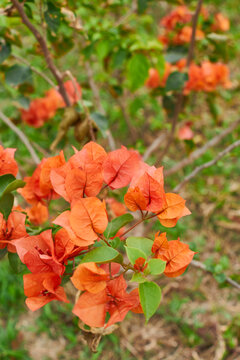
56, 73
206, 165
21, 136
199, 152
203, 267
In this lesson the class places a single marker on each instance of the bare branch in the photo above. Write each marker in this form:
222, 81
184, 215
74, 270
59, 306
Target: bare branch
206, 165
194, 29
98, 103
56, 73
199, 152
203, 267
45, 77
22, 137
154, 145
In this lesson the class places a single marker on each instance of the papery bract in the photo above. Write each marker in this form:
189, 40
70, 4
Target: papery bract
174, 210
8, 164
12, 229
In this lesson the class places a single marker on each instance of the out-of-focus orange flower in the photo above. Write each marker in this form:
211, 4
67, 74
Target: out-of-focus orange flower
185, 34
38, 214
181, 15
154, 80
221, 23
8, 164
185, 132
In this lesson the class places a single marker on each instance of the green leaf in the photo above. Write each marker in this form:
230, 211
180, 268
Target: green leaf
102, 254
116, 224
5, 51
142, 6
115, 242
15, 262
18, 74
161, 65
138, 277
118, 58
8, 183
175, 54
150, 297
3, 252
175, 81
133, 254
156, 266
52, 16
137, 71
101, 122
103, 48
143, 244
6, 204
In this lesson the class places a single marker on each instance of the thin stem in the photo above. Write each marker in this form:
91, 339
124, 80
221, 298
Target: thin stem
139, 222
21, 136
206, 165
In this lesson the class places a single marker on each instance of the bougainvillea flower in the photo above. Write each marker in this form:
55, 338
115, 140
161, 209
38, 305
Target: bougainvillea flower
154, 80
160, 243
37, 253
38, 214
180, 15
185, 34
140, 264
73, 90
116, 207
174, 210
64, 248
12, 229
49, 164
8, 164
85, 221
92, 308
81, 175
221, 23
151, 186
185, 132
90, 277
119, 167
178, 256
42, 288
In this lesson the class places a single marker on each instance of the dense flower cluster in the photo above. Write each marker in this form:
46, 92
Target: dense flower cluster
206, 76
42, 109
77, 232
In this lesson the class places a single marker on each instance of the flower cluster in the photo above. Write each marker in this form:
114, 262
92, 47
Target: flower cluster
87, 236
42, 109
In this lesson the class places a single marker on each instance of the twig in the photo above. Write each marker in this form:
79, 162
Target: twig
206, 165
129, 13
56, 73
202, 266
154, 145
199, 152
193, 36
22, 136
45, 77
98, 103
180, 96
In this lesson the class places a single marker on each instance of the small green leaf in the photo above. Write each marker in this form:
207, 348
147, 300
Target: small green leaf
102, 254
175, 54
6, 204
101, 122
8, 183
176, 81
150, 297
115, 242
52, 16
143, 244
138, 277
156, 266
18, 74
137, 71
116, 224
15, 262
133, 254
5, 51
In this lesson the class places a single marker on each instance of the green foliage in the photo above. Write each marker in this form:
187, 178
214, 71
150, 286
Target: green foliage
116, 224
140, 243
102, 254
137, 73
18, 74
150, 297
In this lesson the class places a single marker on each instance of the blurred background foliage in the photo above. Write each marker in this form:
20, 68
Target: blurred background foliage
113, 44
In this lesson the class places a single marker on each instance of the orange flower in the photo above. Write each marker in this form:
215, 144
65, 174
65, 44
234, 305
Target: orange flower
38, 213
185, 132
42, 288
7, 163
12, 229
181, 15
140, 264
160, 244
85, 221
174, 210
154, 80
185, 34
178, 256
221, 23
90, 277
